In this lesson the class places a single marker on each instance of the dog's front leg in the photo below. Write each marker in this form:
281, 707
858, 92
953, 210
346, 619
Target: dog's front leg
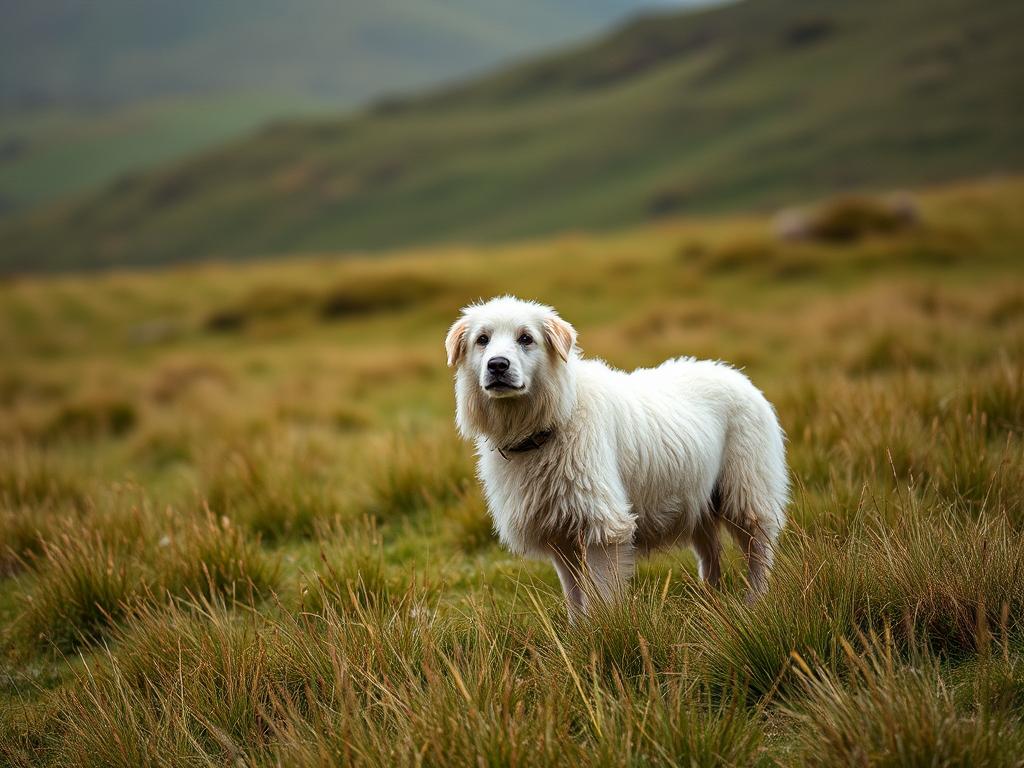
593, 575
568, 567
607, 570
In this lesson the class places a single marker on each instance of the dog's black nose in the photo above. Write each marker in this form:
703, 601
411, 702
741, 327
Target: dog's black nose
497, 364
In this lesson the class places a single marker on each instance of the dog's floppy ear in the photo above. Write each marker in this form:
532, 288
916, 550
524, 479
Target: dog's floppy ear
455, 342
560, 335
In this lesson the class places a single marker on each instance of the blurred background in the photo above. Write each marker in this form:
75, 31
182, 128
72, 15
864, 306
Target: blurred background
143, 132
93, 90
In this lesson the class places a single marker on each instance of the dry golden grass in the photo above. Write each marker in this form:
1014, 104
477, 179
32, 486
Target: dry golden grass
258, 541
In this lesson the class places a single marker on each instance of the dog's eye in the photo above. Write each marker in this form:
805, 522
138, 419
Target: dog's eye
526, 339
482, 339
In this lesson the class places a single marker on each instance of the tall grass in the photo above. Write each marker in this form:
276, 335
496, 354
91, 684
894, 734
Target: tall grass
382, 684
887, 715
285, 559
91, 580
84, 590
277, 491
641, 682
415, 473
941, 581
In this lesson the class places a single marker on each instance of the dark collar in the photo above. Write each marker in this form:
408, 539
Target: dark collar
532, 443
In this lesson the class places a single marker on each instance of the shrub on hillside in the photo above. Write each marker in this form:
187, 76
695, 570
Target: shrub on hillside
848, 219
377, 293
87, 419
261, 303
355, 295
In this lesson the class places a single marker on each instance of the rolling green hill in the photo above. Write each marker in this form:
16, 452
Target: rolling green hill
73, 53
89, 90
754, 104
54, 153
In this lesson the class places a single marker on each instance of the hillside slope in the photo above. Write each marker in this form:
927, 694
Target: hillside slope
753, 104
69, 53
92, 90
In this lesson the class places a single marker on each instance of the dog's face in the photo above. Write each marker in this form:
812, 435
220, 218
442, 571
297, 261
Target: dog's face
507, 344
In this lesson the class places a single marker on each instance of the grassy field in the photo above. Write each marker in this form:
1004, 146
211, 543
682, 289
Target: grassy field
750, 104
238, 528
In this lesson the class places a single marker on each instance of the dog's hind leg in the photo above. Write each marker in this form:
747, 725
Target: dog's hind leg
708, 548
758, 550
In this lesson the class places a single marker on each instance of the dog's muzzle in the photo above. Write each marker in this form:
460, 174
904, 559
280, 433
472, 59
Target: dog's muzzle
499, 378
497, 384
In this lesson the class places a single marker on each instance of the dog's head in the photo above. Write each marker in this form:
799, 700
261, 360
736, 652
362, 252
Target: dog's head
508, 344
509, 350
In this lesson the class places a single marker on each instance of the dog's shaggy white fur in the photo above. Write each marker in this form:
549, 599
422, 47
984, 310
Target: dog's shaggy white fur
588, 465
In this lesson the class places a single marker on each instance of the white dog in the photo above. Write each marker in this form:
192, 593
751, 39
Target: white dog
588, 465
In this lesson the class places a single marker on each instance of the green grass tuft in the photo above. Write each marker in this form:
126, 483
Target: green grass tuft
83, 590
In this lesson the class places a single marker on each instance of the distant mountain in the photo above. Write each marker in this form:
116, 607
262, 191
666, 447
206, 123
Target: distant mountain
74, 53
753, 104
93, 88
